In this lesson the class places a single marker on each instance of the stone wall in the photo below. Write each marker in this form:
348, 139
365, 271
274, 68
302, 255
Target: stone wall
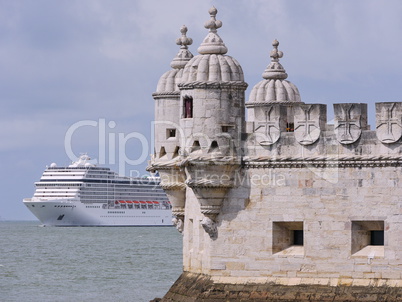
253, 238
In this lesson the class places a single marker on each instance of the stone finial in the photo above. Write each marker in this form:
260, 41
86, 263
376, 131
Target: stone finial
212, 44
184, 55
184, 40
213, 24
275, 53
275, 70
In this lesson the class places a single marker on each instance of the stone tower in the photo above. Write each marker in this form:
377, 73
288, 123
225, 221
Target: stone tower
284, 206
212, 120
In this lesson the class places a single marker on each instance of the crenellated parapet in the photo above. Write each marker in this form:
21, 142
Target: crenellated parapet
312, 136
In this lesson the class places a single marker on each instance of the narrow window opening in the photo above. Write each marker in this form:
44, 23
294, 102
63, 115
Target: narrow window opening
196, 146
188, 107
162, 152
225, 129
176, 152
214, 147
290, 127
298, 237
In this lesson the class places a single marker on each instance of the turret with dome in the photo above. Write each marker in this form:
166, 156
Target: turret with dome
274, 89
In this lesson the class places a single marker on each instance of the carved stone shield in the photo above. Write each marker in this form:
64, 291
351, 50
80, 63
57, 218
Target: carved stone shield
308, 122
267, 129
350, 118
388, 122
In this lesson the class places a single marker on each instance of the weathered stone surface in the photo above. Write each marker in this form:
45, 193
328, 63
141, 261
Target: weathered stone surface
196, 288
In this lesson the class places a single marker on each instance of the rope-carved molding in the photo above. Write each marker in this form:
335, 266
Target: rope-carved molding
165, 94
214, 85
323, 161
164, 165
173, 186
208, 160
207, 183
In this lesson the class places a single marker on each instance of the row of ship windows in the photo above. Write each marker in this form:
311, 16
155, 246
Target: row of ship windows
91, 199
64, 206
97, 207
106, 186
54, 195
106, 189
60, 190
143, 206
63, 174
87, 192
58, 185
132, 216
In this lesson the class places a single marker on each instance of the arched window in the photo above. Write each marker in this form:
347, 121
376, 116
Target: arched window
188, 107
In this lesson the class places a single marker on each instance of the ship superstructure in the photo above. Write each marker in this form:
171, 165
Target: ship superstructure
83, 194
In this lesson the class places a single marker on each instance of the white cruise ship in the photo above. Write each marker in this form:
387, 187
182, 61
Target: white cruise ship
83, 194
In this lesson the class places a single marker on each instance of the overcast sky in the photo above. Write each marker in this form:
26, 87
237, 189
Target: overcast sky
92, 66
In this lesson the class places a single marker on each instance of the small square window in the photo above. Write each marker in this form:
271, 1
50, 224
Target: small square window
366, 235
288, 237
170, 133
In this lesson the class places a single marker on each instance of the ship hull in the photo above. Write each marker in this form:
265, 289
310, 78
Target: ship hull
75, 213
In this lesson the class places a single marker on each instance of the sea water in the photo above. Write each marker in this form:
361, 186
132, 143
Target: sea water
87, 263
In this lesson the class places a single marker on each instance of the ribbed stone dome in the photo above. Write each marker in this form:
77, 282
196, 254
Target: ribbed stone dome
274, 88
169, 80
212, 65
212, 68
274, 91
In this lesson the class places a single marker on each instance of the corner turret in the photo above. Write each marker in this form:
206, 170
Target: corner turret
212, 120
274, 95
167, 130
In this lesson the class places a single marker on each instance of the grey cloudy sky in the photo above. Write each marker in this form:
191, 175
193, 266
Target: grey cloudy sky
64, 62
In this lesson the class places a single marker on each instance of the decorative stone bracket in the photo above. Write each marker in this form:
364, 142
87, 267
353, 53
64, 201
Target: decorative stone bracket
172, 182
210, 181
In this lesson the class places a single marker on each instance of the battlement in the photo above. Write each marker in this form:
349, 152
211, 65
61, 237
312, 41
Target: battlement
308, 134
